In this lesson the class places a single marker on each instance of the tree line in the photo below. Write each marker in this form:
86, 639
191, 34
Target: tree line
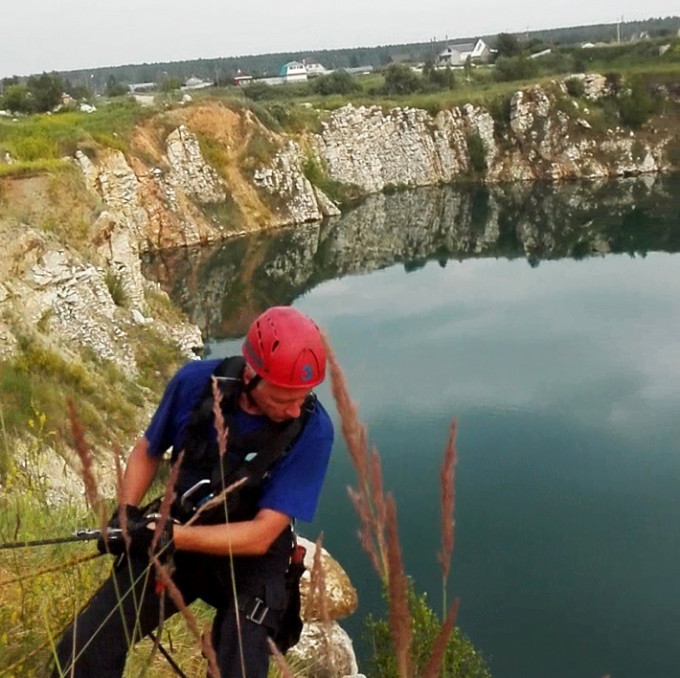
222, 70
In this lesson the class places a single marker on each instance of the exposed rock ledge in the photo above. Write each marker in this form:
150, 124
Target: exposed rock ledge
45, 285
374, 149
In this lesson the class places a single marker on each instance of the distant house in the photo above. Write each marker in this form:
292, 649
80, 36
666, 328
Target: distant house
242, 78
293, 71
457, 54
314, 68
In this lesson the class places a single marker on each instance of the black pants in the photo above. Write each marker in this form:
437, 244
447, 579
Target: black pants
126, 608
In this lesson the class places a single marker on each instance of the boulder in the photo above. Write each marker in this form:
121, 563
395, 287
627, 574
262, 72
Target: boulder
325, 651
341, 596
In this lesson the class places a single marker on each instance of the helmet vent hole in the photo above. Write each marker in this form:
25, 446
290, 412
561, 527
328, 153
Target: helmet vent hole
275, 345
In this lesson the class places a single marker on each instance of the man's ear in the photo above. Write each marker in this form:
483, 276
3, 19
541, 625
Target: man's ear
248, 374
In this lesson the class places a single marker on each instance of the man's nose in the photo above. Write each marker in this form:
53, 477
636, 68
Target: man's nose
293, 410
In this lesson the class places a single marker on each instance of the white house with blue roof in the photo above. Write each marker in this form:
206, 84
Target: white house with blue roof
293, 71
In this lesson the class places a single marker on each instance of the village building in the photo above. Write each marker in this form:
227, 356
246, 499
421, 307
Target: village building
314, 68
293, 71
458, 53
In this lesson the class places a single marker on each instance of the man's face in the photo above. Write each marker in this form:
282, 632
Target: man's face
277, 403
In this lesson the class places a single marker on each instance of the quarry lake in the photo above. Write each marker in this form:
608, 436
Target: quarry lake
546, 320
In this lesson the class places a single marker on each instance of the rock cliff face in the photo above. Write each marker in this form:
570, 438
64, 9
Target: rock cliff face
144, 206
49, 287
403, 147
539, 141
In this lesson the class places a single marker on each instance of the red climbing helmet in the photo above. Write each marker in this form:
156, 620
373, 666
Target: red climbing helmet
284, 347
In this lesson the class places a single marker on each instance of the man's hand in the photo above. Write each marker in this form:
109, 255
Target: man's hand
139, 530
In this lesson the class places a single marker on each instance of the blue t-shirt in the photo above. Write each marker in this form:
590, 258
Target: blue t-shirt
294, 482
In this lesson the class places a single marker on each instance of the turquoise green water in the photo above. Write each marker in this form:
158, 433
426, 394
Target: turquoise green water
564, 377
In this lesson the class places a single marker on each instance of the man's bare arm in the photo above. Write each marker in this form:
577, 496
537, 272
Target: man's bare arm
139, 473
247, 538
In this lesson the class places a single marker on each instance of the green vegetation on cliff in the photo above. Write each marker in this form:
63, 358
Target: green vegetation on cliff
42, 142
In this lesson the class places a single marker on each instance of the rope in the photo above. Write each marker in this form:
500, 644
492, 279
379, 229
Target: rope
46, 570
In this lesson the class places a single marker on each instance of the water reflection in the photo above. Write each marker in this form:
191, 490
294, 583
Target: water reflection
223, 287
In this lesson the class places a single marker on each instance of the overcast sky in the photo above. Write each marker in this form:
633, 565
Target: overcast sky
46, 35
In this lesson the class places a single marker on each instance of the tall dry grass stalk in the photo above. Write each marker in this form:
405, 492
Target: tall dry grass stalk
447, 490
86, 457
163, 570
167, 501
286, 671
316, 599
368, 499
401, 624
122, 514
203, 638
222, 434
436, 663
221, 429
378, 532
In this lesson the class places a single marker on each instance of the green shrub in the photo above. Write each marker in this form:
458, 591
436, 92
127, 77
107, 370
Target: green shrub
263, 114
116, 287
439, 78
638, 151
613, 82
114, 88
499, 109
391, 189
260, 150
461, 660
401, 80
16, 98
39, 94
477, 151
516, 68
341, 194
337, 82
673, 153
46, 90
575, 87
226, 213
636, 105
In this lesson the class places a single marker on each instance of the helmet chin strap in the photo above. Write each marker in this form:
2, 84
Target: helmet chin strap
250, 387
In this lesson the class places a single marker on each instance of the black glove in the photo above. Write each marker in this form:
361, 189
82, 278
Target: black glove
139, 534
131, 512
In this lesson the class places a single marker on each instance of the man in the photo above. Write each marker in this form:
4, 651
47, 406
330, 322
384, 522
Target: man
279, 440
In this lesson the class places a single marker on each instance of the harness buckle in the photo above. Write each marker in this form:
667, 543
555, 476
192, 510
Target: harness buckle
258, 613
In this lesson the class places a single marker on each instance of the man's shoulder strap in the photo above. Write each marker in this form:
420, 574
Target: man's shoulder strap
275, 444
229, 376
229, 372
